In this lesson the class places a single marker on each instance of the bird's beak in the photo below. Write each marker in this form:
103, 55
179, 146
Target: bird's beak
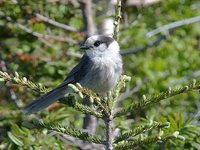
84, 47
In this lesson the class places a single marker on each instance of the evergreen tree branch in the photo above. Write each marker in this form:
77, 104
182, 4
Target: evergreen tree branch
69, 131
80, 107
138, 142
121, 84
80, 144
93, 96
155, 99
4, 76
139, 130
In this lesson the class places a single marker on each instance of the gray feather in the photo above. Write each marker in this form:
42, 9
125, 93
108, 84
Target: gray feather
45, 100
77, 73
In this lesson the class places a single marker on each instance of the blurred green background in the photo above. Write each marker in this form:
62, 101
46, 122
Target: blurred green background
173, 62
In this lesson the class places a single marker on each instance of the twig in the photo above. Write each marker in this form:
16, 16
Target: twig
77, 142
4, 76
45, 36
69, 131
55, 23
141, 129
173, 25
80, 107
117, 19
151, 139
140, 49
37, 34
129, 91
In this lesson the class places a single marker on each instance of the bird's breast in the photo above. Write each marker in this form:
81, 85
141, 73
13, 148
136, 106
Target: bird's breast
103, 75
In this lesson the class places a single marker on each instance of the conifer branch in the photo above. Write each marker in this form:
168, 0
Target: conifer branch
138, 142
69, 131
80, 107
121, 84
155, 99
93, 96
16, 79
141, 129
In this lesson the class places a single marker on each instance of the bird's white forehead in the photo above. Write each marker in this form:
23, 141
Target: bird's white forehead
91, 39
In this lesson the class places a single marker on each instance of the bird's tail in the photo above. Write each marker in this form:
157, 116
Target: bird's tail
45, 100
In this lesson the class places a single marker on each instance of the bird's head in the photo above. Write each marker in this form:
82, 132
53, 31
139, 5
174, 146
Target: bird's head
100, 46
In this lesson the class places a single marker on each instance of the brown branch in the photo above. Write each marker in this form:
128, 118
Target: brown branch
45, 36
77, 142
55, 23
37, 34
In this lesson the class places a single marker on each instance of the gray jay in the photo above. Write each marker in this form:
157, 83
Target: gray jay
98, 70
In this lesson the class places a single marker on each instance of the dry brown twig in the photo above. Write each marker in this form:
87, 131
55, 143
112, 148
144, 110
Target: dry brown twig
55, 23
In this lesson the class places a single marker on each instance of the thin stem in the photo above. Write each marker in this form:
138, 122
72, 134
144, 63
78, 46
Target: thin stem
136, 50
173, 25
37, 34
117, 19
109, 140
55, 23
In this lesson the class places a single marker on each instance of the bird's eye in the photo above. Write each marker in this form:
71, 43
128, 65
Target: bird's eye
97, 43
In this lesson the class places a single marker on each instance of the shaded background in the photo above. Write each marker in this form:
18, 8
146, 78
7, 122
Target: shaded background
45, 52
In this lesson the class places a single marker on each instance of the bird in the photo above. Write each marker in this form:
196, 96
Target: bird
99, 69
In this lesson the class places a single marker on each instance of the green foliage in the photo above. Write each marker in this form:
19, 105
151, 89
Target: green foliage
135, 143
83, 108
172, 63
23, 138
154, 99
70, 131
140, 130
23, 82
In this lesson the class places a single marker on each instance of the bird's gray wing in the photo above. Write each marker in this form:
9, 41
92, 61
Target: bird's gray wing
77, 73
